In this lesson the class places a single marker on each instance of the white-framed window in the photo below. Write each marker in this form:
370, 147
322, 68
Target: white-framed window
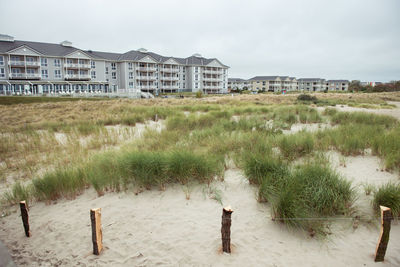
114, 75
43, 62
93, 64
130, 65
71, 72
106, 70
196, 77
196, 69
45, 74
82, 72
81, 61
196, 85
113, 66
69, 61
2, 73
93, 74
57, 62
130, 84
130, 75
1, 60
57, 74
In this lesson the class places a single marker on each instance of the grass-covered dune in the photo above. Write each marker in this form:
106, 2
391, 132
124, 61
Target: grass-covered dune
287, 168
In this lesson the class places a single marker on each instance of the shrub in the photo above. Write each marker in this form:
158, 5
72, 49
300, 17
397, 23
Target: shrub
306, 97
199, 94
388, 195
296, 145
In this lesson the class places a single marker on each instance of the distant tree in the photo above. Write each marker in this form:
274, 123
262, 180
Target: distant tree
355, 86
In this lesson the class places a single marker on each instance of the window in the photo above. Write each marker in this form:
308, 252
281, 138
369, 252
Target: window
81, 61
130, 75
114, 75
93, 74
45, 74
69, 61
2, 73
44, 62
130, 65
71, 72
57, 74
196, 69
106, 70
82, 72
130, 84
93, 64
57, 62
1, 60
113, 67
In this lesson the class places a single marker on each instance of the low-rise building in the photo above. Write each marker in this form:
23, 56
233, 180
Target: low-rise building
337, 85
311, 84
273, 83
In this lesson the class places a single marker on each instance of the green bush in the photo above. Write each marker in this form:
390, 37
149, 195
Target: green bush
296, 145
388, 195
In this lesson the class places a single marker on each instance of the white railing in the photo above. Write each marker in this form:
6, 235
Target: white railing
170, 87
212, 87
17, 63
212, 79
170, 78
169, 69
146, 69
24, 75
77, 76
77, 65
212, 71
150, 78
147, 87
32, 63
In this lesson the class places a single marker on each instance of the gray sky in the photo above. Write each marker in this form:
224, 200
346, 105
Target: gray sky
349, 39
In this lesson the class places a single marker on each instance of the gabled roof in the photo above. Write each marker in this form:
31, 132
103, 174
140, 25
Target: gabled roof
310, 80
337, 81
58, 50
236, 80
265, 78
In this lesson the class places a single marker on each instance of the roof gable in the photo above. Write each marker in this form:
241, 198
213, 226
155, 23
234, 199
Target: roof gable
171, 61
147, 59
78, 54
215, 63
24, 50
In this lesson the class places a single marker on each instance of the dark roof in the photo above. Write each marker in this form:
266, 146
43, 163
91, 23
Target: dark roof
236, 80
58, 50
267, 78
337, 81
310, 79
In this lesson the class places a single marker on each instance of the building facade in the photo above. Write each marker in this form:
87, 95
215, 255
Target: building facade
273, 83
238, 84
337, 85
43, 68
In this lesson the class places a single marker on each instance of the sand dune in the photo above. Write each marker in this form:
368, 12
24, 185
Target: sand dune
163, 228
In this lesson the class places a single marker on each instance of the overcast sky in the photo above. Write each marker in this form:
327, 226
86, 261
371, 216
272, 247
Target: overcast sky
336, 39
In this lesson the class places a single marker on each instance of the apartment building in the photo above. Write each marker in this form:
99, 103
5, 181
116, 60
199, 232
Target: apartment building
46, 68
311, 84
273, 83
238, 84
337, 85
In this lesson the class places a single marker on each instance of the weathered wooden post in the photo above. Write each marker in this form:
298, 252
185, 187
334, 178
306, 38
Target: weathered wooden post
386, 217
226, 229
97, 235
25, 217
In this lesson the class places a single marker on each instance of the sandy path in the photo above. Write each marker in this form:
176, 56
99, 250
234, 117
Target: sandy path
163, 228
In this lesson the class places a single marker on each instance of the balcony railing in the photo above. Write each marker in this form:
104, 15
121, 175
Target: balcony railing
212, 71
24, 76
145, 78
17, 63
146, 69
146, 87
212, 87
212, 79
170, 78
169, 87
77, 66
77, 76
171, 70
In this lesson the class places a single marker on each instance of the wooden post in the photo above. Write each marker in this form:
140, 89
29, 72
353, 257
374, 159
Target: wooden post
386, 217
97, 235
25, 217
226, 229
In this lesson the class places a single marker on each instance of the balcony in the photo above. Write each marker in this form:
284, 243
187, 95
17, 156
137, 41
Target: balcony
76, 66
170, 70
77, 77
146, 78
212, 71
146, 69
16, 63
24, 76
209, 79
170, 78
212, 87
